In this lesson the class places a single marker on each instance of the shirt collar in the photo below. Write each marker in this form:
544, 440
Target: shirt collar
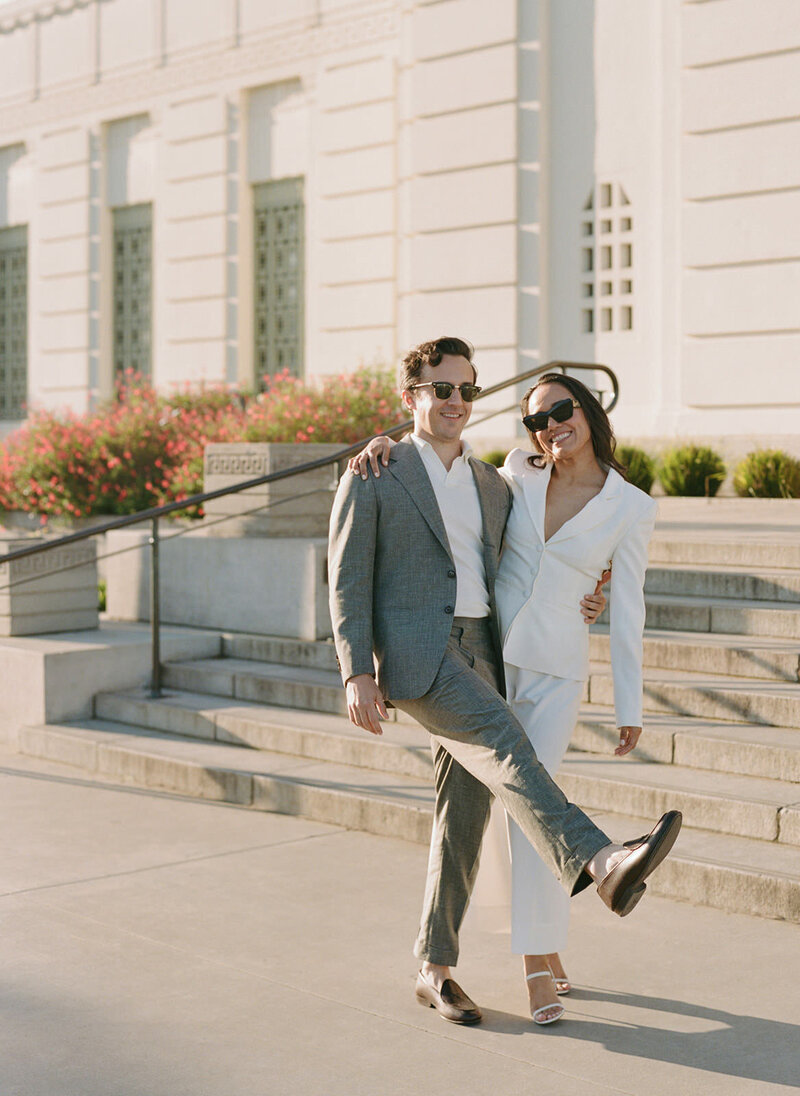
425, 447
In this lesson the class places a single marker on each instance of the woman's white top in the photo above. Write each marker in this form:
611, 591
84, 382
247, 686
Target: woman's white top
540, 583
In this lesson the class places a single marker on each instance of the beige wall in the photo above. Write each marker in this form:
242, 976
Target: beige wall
448, 150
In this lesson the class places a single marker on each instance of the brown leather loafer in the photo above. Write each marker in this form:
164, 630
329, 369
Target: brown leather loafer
451, 1003
624, 885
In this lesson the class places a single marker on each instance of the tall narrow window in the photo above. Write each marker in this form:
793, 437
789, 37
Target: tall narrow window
613, 257
132, 288
279, 277
13, 322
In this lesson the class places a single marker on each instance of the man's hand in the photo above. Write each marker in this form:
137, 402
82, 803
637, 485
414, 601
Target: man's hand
593, 604
628, 737
365, 703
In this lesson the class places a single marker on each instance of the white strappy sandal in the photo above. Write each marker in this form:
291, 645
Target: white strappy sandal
536, 1013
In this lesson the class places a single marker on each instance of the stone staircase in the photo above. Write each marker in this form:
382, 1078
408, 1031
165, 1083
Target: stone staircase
263, 724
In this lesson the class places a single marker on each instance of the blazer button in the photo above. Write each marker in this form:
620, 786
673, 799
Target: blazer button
448, 608
451, 574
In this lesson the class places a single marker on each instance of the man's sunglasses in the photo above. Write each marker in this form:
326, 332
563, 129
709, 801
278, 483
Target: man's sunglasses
560, 411
443, 390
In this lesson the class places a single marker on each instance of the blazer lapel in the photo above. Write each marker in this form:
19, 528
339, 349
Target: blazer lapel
594, 512
534, 491
407, 468
493, 499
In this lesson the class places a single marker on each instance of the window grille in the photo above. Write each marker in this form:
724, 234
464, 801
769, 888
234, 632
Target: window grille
279, 277
607, 260
13, 322
132, 288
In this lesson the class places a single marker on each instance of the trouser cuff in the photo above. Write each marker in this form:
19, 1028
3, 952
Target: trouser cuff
575, 877
442, 957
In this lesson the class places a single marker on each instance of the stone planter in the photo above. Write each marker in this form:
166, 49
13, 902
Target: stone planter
295, 507
54, 600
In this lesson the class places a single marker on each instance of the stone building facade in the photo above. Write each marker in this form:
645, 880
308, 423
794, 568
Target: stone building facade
214, 189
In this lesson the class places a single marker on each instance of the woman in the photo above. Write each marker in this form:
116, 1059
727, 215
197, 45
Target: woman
574, 516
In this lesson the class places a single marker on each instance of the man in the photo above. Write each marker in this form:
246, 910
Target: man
413, 559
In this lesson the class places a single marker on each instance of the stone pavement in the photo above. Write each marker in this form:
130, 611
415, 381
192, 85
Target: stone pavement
160, 946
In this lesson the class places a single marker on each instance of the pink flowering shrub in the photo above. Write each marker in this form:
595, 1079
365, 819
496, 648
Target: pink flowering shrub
340, 409
144, 449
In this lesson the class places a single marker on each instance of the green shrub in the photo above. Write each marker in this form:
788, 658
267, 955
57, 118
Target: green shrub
691, 470
639, 465
497, 457
767, 474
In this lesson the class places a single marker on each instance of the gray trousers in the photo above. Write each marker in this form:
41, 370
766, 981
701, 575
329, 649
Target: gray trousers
481, 750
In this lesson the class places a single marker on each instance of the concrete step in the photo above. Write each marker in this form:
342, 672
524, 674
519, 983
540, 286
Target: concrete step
681, 692
743, 748
770, 752
742, 804
314, 654
678, 692
736, 874
282, 686
758, 877
736, 655
357, 798
769, 659
401, 749
742, 552
724, 582
672, 612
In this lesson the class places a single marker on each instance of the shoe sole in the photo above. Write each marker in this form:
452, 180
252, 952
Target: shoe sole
426, 1003
633, 895
630, 901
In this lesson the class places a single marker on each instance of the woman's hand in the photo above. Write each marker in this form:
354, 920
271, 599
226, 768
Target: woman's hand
628, 737
376, 450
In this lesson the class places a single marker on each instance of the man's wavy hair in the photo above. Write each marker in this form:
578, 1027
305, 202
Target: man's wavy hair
603, 441
431, 353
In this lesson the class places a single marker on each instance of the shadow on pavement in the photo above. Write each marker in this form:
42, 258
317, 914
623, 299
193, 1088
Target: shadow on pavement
737, 1045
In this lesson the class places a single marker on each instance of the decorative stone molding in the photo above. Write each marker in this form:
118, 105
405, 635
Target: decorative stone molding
218, 64
50, 592
299, 506
45, 563
246, 465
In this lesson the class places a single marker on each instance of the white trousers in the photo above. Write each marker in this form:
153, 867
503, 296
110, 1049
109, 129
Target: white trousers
547, 707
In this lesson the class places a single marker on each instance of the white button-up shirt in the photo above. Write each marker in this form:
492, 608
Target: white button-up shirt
460, 508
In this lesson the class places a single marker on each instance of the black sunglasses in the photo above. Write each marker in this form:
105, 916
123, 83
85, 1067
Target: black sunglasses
560, 411
443, 390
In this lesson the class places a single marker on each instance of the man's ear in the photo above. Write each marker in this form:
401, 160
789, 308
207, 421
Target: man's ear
408, 400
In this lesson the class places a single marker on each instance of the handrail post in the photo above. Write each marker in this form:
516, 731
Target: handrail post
155, 611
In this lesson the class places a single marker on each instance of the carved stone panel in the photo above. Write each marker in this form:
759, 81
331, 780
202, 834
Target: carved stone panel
299, 506
53, 591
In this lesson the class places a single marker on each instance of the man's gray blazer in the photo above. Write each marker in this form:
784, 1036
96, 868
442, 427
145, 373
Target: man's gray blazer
392, 575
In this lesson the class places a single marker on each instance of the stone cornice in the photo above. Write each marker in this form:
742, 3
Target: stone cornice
219, 64
25, 12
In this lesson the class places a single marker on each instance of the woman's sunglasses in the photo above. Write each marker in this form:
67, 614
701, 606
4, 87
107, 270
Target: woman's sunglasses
443, 390
560, 411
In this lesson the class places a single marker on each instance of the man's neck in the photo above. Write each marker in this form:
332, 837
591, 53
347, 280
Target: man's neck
446, 451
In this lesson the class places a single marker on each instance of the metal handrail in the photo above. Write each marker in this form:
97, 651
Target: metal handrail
155, 513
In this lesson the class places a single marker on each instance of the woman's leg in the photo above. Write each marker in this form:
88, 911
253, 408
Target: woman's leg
547, 707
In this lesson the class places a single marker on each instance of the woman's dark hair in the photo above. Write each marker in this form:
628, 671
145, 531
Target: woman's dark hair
603, 441
431, 353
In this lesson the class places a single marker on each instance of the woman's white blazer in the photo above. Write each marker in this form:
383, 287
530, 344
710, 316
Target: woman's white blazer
540, 583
